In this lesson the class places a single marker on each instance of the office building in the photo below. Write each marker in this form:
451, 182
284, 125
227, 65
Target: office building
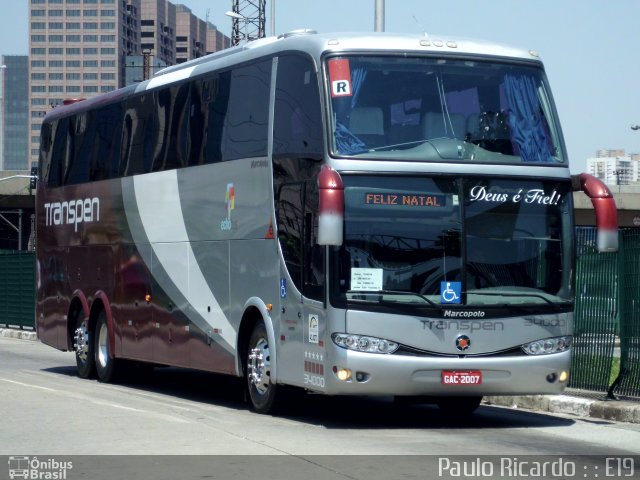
81, 48
14, 112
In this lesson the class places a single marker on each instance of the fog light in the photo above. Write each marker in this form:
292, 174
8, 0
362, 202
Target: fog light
551, 377
564, 376
343, 374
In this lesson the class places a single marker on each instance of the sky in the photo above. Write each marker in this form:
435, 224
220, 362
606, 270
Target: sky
590, 48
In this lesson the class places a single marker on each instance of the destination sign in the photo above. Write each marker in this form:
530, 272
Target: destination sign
405, 199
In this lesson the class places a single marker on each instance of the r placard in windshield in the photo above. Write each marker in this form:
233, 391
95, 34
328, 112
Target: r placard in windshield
442, 110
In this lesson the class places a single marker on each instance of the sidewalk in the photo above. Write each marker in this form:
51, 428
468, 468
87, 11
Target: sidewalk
15, 333
615, 410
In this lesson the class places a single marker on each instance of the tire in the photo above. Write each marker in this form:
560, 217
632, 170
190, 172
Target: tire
104, 361
83, 347
459, 406
264, 395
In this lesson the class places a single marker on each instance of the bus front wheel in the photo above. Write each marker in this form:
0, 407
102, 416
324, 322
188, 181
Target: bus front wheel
262, 391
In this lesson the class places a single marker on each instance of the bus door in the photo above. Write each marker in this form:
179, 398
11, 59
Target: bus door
304, 315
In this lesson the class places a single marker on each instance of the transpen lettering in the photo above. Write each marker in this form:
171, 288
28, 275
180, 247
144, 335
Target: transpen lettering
72, 212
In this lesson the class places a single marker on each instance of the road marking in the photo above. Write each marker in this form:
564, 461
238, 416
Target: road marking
29, 385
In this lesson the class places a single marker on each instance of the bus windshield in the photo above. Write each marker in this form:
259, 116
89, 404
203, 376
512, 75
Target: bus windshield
399, 108
459, 241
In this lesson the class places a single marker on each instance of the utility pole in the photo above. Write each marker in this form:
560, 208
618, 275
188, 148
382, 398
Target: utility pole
252, 14
146, 64
379, 16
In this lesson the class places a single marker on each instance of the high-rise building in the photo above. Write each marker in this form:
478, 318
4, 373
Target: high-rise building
191, 35
81, 48
216, 40
77, 50
159, 30
616, 168
14, 112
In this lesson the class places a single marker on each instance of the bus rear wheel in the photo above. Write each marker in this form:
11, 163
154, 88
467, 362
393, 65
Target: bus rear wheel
459, 405
262, 391
104, 361
83, 347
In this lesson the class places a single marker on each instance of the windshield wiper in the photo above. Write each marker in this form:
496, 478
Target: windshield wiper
513, 294
396, 292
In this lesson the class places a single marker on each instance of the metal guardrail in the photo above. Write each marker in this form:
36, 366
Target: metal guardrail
17, 289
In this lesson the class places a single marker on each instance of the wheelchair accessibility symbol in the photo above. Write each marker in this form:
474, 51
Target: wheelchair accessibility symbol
450, 292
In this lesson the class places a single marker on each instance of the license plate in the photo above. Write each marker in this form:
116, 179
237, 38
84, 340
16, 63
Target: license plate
450, 377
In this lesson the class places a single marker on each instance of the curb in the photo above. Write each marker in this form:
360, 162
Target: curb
20, 334
616, 410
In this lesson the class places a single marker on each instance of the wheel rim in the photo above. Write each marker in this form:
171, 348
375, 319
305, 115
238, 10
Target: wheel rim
81, 341
260, 366
103, 345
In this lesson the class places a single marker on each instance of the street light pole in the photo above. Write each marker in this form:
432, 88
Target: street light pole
236, 17
379, 16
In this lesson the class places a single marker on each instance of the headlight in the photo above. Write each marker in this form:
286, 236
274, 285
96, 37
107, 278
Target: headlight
547, 345
363, 343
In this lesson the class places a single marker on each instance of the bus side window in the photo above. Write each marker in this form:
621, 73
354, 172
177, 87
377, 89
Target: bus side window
217, 98
108, 125
313, 255
44, 160
79, 149
246, 123
297, 130
296, 207
172, 113
58, 153
289, 214
139, 129
197, 115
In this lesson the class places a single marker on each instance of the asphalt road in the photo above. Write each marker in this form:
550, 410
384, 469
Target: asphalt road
48, 411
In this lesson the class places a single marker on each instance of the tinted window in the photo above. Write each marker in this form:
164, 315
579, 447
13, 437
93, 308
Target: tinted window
197, 119
216, 95
59, 153
138, 135
296, 199
80, 140
297, 118
246, 123
173, 122
105, 161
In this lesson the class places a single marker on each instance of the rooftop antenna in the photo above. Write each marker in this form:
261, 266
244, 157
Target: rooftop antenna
424, 30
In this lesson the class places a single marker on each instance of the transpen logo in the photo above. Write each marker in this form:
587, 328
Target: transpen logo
229, 202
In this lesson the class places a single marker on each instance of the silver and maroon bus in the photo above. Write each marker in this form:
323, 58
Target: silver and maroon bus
349, 214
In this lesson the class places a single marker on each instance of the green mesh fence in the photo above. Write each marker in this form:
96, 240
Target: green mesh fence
629, 381
596, 314
17, 289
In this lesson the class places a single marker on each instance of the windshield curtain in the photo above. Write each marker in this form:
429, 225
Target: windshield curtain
446, 240
430, 109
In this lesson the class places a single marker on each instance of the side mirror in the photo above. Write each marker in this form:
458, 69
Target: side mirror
604, 206
331, 215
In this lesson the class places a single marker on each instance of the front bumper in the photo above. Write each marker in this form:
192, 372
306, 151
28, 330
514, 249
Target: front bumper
376, 374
